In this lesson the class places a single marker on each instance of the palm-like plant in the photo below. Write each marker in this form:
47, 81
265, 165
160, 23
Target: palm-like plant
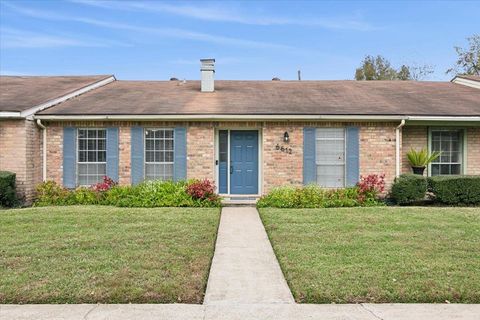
421, 159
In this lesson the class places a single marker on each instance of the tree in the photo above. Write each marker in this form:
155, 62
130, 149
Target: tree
468, 59
420, 72
375, 68
379, 68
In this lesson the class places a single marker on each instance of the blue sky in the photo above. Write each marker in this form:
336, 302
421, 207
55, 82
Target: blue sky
250, 39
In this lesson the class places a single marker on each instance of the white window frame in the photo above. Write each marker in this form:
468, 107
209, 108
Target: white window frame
163, 163
87, 163
463, 163
344, 184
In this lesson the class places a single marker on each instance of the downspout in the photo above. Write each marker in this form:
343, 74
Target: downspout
397, 145
44, 151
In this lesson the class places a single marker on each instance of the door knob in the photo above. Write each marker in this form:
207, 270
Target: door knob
231, 169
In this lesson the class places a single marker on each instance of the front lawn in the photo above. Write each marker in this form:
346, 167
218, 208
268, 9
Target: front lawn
349, 255
104, 254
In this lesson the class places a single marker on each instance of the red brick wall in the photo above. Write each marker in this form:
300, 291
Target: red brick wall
473, 151
415, 137
377, 148
20, 152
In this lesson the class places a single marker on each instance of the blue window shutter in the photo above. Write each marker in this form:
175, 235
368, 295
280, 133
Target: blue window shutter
309, 151
69, 157
112, 153
180, 147
136, 146
352, 157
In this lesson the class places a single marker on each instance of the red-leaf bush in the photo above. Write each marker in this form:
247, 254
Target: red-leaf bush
202, 190
106, 184
370, 187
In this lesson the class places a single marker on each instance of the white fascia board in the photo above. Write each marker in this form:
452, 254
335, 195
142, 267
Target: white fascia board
444, 118
10, 115
466, 82
30, 112
249, 117
228, 117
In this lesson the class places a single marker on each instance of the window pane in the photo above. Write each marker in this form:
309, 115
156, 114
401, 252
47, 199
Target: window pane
330, 151
102, 156
169, 134
455, 169
158, 162
330, 176
330, 157
449, 143
169, 156
91, 156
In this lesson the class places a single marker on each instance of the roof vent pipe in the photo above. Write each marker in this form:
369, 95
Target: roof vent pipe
208, 72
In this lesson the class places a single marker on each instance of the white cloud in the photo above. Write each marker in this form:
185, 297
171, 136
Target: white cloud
219, 13
14, 38
161, 32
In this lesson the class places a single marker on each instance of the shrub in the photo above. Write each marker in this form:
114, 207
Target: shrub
313, 196
202, 190
370, 187
283, 197
408, 188
456, 190
147, 194
8, 196
106, 184
50, 193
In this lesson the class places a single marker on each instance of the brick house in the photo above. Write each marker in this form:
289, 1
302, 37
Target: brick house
251, 136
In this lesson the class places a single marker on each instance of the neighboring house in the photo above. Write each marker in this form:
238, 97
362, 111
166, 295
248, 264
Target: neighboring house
21, 140
252, 136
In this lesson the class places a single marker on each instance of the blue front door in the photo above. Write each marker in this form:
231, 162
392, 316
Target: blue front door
243, 162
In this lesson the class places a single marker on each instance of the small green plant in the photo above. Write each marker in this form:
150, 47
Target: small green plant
421, 158
8, 197
409, 188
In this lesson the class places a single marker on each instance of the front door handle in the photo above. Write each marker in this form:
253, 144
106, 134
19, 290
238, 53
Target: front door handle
231, 169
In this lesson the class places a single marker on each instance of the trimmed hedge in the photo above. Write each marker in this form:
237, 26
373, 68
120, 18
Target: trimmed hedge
147, 194
8, 194
456, 190
408, 188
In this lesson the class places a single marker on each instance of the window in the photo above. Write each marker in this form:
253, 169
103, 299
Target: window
450, 144
92, 156
159, 154
330, 157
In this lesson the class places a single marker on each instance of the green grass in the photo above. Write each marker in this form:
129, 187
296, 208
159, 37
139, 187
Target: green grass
350, 255
90, 254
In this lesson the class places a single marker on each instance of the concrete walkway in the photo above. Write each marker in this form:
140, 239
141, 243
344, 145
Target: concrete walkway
242, 312
245, 283
244, 268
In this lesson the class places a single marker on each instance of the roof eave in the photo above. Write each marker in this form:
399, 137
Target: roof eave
272, 117
10, 115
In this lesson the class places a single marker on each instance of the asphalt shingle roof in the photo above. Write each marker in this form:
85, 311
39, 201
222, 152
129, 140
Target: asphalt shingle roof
277, 98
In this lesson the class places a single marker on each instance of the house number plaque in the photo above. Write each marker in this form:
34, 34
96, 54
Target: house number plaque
283, 149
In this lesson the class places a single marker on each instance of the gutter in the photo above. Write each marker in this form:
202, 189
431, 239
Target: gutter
10, 115
44, 149
254, 117
226, 117
397, 147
